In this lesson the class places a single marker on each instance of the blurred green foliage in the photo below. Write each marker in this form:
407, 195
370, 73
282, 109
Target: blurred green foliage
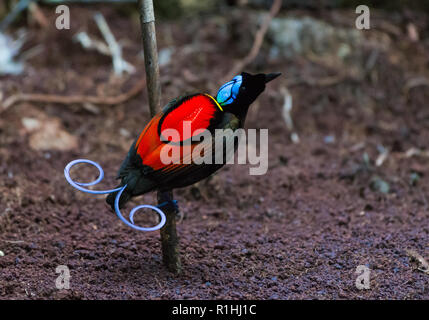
393, 5
5, 6
171, 9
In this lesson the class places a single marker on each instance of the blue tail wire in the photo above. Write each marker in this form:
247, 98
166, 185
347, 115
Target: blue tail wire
80, 186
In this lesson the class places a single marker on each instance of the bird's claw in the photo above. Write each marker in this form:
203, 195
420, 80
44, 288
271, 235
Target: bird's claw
170, 205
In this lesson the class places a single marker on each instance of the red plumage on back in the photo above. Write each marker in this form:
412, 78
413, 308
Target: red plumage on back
199, 110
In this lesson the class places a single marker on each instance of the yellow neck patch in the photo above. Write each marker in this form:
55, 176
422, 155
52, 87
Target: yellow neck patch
217, 103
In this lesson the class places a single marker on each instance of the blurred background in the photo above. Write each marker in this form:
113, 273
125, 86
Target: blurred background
348, 150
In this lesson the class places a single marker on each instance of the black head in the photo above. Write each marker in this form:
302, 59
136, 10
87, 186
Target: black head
243, 89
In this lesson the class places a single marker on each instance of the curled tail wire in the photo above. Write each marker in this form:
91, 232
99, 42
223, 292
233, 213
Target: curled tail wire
119, 196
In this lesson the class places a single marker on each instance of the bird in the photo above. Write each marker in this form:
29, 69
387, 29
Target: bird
143, 170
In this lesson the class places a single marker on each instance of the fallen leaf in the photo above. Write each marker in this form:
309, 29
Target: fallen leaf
47, 133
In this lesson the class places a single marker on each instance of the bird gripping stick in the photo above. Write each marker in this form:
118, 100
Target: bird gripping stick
169, 239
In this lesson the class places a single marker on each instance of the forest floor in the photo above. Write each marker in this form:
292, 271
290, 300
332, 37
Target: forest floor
327, 204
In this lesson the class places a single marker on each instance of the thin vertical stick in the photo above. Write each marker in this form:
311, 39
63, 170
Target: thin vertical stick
169, 239
147, 19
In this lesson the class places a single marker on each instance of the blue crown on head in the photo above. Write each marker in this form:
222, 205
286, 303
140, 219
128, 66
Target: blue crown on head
229, 91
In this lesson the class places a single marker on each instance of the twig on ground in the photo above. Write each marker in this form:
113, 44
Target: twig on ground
75, 99
38, 15
415, 152
13, 241
9, 50
415, 82
119, 64
92, 44
257, 43
384, 153
10, 18
424, 264
32, 52
286, 112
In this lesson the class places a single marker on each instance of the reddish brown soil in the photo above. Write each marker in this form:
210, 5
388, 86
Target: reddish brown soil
298, 232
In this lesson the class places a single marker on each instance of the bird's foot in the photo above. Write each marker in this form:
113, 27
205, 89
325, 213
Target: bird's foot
170, 205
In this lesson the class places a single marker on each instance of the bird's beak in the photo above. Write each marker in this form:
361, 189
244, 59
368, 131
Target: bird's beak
271, 76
